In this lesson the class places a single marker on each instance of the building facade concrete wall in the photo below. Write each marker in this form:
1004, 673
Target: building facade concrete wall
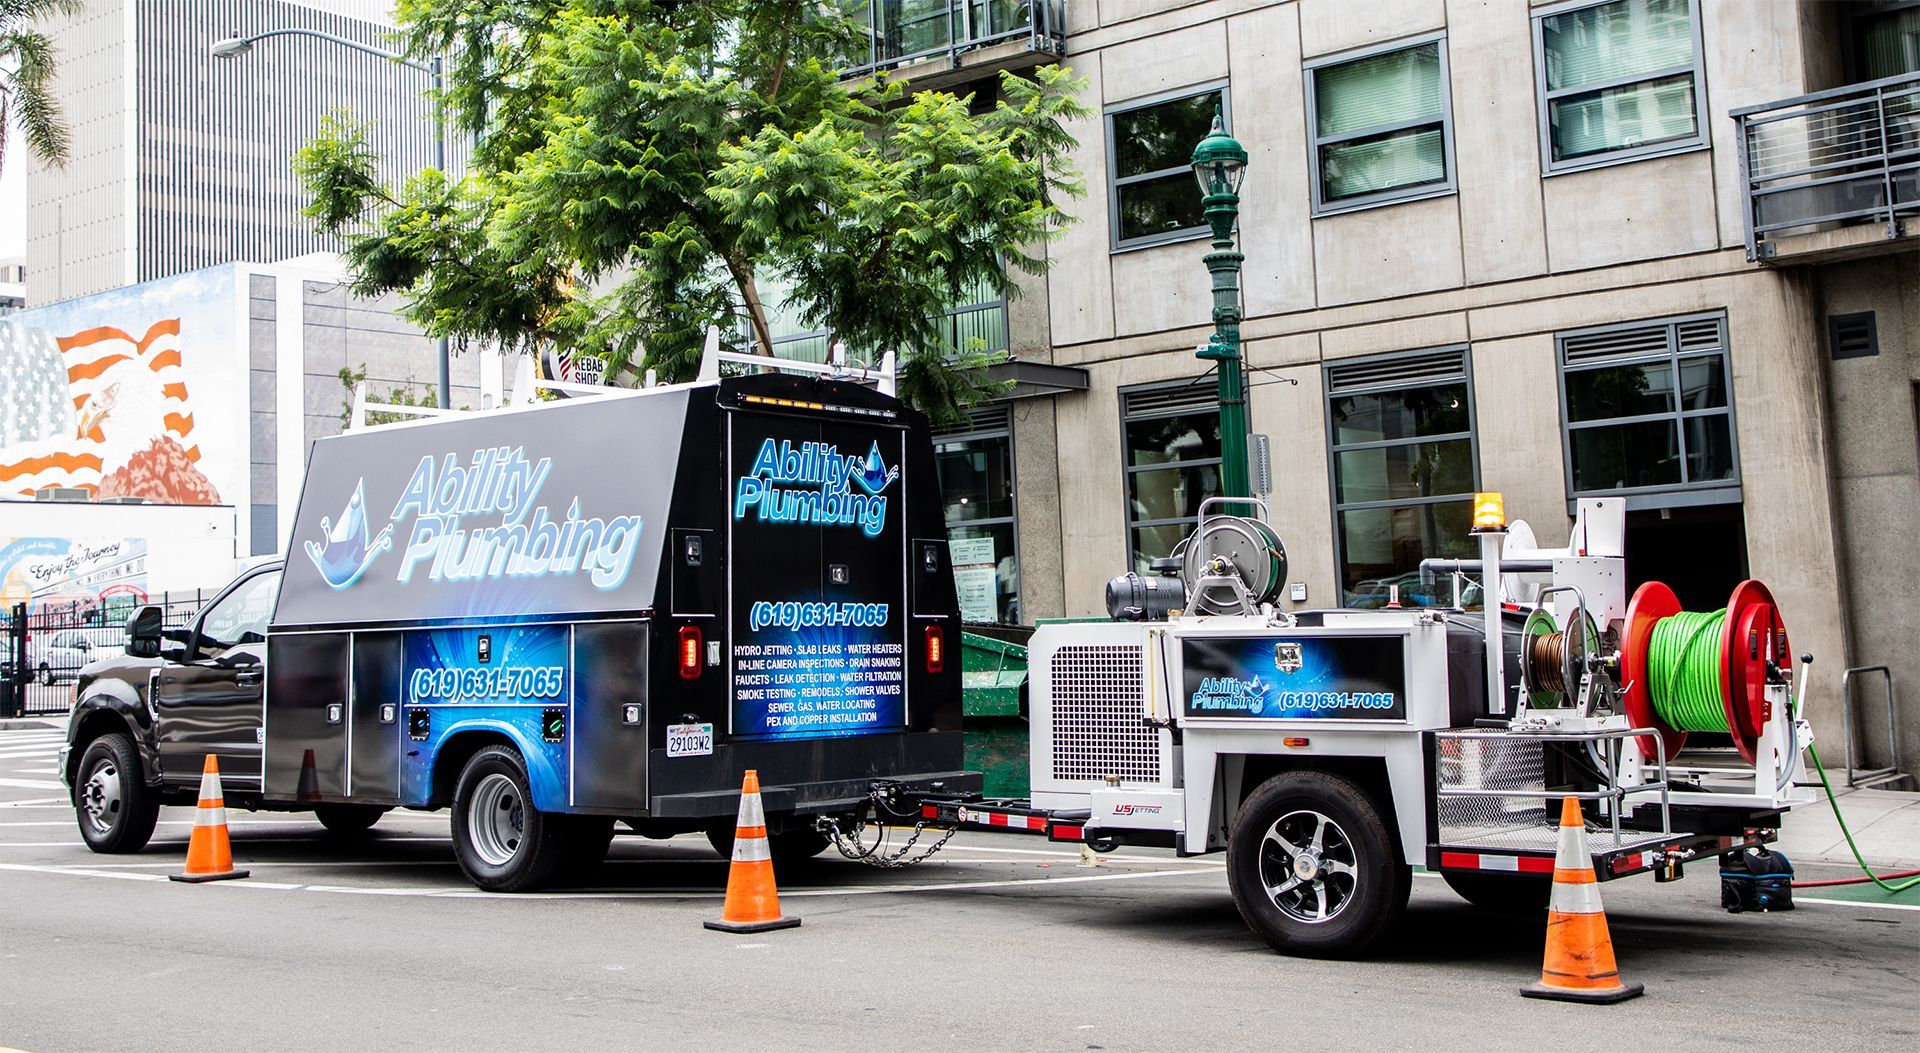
1500, 266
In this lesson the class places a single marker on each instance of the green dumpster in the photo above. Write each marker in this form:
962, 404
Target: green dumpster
993, 678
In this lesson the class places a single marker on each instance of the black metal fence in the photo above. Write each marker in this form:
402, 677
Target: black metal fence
43, 648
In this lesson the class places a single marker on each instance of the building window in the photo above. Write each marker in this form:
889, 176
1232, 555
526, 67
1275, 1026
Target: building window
1648, 413
976, 479
1405, 466
1885, 39
1150, 152
1172, 439
1381, 128
1620, 80
977, 321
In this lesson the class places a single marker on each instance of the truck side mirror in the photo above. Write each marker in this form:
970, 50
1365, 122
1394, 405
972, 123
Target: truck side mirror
143, 632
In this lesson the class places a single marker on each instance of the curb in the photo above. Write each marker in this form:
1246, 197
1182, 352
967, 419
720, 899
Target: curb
57, 723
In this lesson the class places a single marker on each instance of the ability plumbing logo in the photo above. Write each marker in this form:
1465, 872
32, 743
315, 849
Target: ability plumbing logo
456, 536
815, 483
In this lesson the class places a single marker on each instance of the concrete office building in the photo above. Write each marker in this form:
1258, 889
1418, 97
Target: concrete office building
1597, 247
180, 160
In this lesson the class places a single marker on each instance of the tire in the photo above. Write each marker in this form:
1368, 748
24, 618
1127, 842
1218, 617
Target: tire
1516, 896
792, 844
346, 820
114, 806
502, 842
586, 838
1314, 822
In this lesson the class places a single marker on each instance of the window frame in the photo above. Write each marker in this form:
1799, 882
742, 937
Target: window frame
994, 422
1127, 471
1334, 449
1702, 139
1115, 181
1397, 195
1685, 493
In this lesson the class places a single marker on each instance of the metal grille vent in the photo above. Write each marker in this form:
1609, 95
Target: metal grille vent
1692, 336
1700, 335
1098, 710
1398, 371
1853, 335
1184, 398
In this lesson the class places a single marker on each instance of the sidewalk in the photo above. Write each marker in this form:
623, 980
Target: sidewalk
1885, 824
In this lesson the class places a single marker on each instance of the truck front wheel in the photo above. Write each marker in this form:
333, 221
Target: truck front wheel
115, 807
503, 843
1313, 867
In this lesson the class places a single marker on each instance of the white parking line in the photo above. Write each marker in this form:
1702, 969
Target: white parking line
31, 784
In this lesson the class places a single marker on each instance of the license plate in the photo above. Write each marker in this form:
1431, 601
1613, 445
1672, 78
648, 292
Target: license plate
689, 740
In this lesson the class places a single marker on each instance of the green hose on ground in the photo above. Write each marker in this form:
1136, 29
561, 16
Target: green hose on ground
1835, 803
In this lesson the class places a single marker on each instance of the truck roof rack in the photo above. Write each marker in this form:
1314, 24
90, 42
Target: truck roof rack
836, 367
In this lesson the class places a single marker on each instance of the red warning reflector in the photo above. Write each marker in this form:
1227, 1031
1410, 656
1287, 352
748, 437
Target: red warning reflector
690, 652
1293, 742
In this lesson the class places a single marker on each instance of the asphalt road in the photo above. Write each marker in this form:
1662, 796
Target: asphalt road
1001, 943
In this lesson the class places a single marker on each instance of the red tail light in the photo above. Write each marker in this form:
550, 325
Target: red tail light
690, 652
936, 649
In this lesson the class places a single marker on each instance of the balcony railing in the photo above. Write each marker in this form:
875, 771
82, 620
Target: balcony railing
1849, 156
905, 32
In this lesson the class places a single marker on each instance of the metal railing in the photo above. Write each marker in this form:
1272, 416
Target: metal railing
44, 647
903, 32
1856, 775
1849, 155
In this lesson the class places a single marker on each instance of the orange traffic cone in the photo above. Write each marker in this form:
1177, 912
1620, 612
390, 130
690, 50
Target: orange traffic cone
308, 788
1579, 964
753, 903
209, 855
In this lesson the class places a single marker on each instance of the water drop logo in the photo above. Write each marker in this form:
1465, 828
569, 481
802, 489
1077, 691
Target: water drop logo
874, 475
347, 550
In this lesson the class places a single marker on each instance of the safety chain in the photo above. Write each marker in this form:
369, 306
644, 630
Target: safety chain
851, 846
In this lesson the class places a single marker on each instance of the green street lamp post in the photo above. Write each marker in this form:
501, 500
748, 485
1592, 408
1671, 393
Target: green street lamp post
1218, 163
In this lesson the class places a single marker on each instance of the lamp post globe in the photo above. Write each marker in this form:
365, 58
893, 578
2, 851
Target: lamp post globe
1219, 162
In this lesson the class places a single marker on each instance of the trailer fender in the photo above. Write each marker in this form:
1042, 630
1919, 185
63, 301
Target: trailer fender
1389, 768
467, 737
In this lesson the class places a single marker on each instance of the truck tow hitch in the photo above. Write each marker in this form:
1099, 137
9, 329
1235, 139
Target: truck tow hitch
889, 813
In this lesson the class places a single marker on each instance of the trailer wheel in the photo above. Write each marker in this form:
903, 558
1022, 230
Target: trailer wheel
503, 843
1502, 894
346, 820
1313, 867
111, 800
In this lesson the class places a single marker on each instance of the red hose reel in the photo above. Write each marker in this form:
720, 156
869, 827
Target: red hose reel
1752, 635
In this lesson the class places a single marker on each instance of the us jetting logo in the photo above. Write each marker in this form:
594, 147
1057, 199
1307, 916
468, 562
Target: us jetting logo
815, 483
478, 521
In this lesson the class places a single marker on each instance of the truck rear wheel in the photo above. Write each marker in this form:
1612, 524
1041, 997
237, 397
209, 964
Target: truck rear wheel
111, 799
1313, 867
503, 843
1502, 894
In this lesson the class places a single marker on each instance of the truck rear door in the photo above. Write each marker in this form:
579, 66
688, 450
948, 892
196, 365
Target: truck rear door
817, 573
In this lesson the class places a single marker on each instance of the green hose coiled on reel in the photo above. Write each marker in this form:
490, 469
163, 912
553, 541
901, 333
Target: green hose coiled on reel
1683, 671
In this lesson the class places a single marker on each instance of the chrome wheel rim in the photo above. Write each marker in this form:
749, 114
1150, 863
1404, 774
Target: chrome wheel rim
1307, 867
100, 797
497, 820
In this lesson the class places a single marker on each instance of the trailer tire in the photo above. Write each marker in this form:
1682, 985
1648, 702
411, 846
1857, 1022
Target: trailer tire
114, 806
503, 843
347, 820
789, 844
1313, 867
1517, 896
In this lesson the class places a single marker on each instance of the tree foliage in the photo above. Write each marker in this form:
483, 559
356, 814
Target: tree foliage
642, 168
27, 66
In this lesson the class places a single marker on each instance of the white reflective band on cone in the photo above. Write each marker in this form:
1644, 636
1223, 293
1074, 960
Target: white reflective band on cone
210, 786
1572, 853
209, 817
751, 850
751, 814
1570, 898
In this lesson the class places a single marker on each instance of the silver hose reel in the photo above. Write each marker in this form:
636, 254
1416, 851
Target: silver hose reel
1233, 564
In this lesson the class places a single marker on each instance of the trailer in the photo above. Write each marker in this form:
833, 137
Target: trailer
1327, 753
550, 618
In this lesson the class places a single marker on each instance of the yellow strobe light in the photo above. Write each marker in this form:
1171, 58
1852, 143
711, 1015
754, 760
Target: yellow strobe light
1489, 511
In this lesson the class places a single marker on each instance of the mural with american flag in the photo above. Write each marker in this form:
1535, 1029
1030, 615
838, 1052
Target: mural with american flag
97, 394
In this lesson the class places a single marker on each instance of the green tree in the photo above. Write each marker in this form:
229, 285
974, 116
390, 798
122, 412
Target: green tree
27, 66
641, 166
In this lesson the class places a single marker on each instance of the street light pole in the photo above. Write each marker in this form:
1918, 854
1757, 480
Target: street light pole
235, 46
1218, 163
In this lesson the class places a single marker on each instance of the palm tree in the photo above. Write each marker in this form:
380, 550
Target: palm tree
26, 79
